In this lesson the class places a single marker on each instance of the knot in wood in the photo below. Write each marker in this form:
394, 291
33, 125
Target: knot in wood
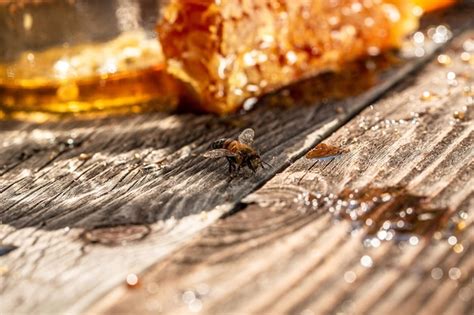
117, 235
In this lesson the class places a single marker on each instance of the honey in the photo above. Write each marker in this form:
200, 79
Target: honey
430, 5
385, 212
228, 54
122, 73
232, 51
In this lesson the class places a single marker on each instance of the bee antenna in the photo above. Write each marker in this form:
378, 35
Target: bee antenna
265, 163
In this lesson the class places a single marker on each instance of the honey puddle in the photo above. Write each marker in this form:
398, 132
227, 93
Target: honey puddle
387, 213
125, 72
391, 209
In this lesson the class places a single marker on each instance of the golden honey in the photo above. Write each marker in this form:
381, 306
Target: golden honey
123, 73
430, 5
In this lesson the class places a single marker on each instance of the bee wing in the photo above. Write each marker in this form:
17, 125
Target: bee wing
217, 153
246, 137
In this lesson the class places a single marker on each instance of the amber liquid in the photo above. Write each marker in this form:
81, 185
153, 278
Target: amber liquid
125, 74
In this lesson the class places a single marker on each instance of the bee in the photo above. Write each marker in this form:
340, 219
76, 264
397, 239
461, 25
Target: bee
238, 152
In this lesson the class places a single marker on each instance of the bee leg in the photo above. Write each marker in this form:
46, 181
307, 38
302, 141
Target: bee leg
231, 165
233, 171
249, 165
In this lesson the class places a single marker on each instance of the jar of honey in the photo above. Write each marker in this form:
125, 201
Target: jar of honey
70, 56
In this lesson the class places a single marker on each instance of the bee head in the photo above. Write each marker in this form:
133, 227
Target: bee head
254, 162
218, 144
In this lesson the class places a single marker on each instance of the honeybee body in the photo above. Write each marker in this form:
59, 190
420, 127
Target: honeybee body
239, 153
243, 154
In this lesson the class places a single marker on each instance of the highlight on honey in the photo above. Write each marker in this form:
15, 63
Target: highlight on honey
430, 5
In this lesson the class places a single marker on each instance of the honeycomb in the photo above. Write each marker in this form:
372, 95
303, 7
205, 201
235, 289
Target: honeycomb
228, 51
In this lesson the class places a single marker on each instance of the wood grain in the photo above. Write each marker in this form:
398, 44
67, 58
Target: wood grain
140, 175
280, 254
55, 271
142, 171
146, 168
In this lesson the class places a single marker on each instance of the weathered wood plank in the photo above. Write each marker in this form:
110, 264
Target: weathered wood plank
283, 254
66, 273
142, 171
144, 168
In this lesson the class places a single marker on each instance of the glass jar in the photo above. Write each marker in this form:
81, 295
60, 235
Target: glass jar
63, 56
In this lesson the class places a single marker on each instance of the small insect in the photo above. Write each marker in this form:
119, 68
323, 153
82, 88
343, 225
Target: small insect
323, 151
239, 153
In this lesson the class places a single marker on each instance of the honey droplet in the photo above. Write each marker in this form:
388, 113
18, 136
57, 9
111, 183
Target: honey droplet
27, 21
461, 225
3, 270
452, 240
426, 96
459, 115
350, 276
467, 57
458, 248
437, 273
451, 75
468, 91
444, 60
132, 280
84, 156
454, 273
366, 261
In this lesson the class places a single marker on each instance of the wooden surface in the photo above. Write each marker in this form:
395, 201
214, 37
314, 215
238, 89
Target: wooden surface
280, 255
64, 184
